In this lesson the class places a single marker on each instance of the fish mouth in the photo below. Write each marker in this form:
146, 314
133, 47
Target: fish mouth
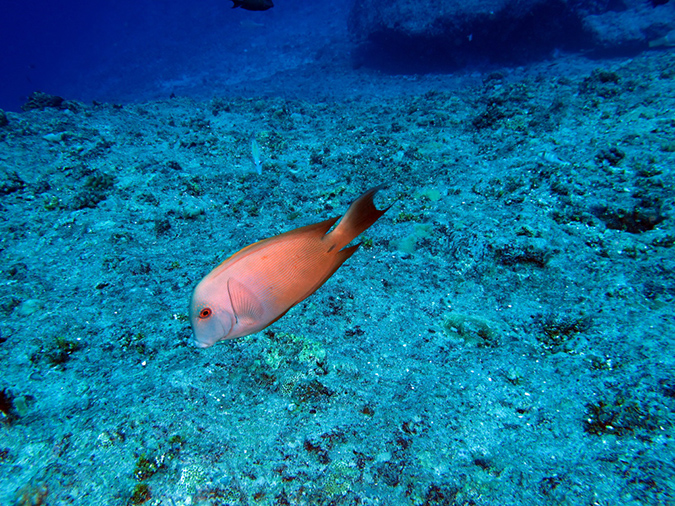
199, 344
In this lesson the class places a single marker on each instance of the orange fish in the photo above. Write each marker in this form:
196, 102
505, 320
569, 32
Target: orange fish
257, 285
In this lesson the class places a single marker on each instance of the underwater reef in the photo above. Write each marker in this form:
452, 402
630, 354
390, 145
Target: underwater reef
503, 336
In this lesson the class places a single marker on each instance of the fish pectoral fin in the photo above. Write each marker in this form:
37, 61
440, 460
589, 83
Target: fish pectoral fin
246, 306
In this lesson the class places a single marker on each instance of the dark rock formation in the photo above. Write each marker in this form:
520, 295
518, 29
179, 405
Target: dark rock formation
439, 35
40, 100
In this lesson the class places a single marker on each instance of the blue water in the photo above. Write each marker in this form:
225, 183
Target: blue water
503, 335
138, 50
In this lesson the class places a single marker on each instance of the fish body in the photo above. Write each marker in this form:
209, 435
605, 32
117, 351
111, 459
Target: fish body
550, 157
666, 41
257, 285
255, 153
253, 5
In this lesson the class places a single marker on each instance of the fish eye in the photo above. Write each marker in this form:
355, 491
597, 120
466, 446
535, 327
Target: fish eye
205, 313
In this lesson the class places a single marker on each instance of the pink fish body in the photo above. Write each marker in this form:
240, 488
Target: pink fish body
257, 285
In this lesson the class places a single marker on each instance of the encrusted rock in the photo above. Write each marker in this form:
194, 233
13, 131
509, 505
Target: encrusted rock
427, 35
39, 100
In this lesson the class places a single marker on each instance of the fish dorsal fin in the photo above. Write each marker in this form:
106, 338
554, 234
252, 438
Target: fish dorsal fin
246, 306
319, 229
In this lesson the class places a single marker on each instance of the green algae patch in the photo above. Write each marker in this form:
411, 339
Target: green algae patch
302, 349
140, 494
473, 330
431, 194
192, 478
409, 244
341, 475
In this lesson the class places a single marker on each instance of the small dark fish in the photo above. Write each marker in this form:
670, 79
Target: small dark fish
253, 5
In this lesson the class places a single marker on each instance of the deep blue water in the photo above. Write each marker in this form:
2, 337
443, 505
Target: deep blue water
121, 50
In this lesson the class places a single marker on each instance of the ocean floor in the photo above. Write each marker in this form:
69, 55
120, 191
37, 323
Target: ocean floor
504, 336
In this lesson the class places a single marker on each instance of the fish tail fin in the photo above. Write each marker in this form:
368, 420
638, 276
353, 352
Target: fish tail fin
360, 215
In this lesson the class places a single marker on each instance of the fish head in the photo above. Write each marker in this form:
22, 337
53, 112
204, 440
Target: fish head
211, 320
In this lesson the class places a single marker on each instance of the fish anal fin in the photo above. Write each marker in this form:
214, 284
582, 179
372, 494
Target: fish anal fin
280, 316
246, 306
340, 258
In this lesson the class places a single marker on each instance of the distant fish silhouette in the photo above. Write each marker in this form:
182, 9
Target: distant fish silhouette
667, 40
253, 5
